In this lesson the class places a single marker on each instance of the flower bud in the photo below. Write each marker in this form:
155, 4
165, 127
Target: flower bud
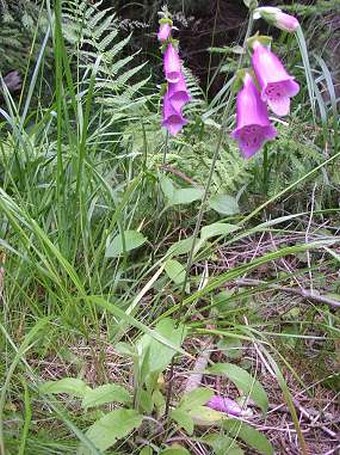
164, 32
275, 16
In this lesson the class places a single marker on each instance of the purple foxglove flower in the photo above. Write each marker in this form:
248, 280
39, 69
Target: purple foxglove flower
224, 405
164, 32
277, 86
253, 127
172, 65
278, 18
178, 94
173, 120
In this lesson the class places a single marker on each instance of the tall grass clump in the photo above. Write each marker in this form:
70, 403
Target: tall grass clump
159, 292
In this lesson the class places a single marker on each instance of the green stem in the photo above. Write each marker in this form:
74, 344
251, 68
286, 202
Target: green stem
265, 167
223, 132
166, 147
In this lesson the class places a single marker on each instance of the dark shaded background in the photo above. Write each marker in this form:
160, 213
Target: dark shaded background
201, 24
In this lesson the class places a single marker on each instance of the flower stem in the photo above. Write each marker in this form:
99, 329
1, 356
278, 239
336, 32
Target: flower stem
266, 170
223, 132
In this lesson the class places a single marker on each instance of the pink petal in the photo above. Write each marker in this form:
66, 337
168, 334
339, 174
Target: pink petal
274, 80
280, 106
223, 404
164, 32
253, 127
178, 94
172, 65
173, 120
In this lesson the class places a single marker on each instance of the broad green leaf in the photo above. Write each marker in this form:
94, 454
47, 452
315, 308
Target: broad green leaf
107, 393
175, 450
113, 426
183, 419
176, 195
159, 399
192, 404
217, 229
71, 386
175, 271
184, 246
205, 416
181, 247
145, 401
187, 195
223, 445
125, 349
252, 437
224, 204
167, 187
132, 240
195, 398
244, 381
160, 355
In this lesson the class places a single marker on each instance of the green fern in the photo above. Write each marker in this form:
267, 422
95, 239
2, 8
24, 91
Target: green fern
20, 22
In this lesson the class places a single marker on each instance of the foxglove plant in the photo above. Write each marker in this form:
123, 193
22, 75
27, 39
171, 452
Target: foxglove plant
253, 126
277, 86
177, 94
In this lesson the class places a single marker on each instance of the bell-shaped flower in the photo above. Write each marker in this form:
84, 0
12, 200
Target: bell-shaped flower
277, 86
277, 17
178, 93
172, 65
253, 127
173, 119
164, 32
224, 404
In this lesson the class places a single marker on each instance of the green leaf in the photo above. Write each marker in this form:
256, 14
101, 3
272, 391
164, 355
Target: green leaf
183, 419
244, 381
132, 240
187, 196
125, 349
252, 437
217, 229
160, 355
145, 401
205, 416
181, 247
113, 426
224, 204
71, 386
107, 393
195, 398
175, 271
175, 450
177, 196
184, 246
167, 187
223, 445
